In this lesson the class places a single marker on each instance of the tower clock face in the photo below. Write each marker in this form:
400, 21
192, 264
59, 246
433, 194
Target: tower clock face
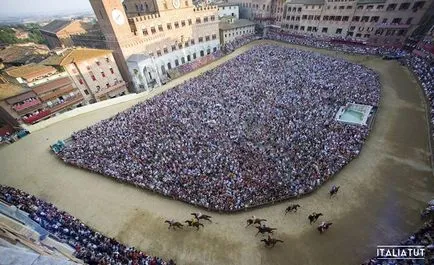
118, 17
176, 3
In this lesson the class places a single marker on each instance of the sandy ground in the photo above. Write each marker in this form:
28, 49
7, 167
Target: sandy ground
381, 193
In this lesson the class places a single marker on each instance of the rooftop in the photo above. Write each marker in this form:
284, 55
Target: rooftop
236, 24
56, 25
8, 90
74, 56
30, 71
16, 54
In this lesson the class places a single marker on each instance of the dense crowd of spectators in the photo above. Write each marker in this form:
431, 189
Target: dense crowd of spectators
423, 68
90, 246
238, 42
257, 129
327, 43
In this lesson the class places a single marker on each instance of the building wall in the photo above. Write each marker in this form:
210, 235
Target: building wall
92, 76
387, 22
231, 34
227, 10
261, 11
52, 40
164, 33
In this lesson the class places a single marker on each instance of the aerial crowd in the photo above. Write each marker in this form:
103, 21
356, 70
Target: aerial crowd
90, 246
258, 129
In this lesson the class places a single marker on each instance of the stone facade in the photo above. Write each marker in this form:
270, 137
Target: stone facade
377, 22
167, 31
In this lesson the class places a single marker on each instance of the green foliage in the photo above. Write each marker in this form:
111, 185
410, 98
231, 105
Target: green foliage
7, 34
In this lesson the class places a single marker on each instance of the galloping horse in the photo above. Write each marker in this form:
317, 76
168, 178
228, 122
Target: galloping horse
200, 216
314, 217
271, 242
174, 224
324, 226
254, 220
194, 224
292, 207
334, 190
265, 229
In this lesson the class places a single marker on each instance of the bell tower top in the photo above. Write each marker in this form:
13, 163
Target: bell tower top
112, 20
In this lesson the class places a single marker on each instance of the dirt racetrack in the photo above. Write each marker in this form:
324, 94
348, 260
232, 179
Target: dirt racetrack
381, 193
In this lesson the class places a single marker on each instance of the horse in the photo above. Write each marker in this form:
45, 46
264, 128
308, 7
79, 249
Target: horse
194, 224
324, 226
174, 224
334, 191
314, 217
254, 220
292, 207
271, 242
200, 216
265, 229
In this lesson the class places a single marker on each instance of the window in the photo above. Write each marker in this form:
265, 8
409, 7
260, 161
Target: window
102, 74
380, 6
81, 81
404, 6
379, 32
158, 53
169, 66
182, 60
205, 19
194, 56
349, 7
160, 27
409, 21
86, 92
396, 20
365, 19
112, 71
214, 36
367, 35
350, 34
107, 85
182, 23
173, 47
358, 35
198, 20
165, 50
339, 31
169, 26
176, 25
186, 3
153, 31
370, 7
206, 38
324, 30
208, 51
93, 77
189, 22
391, 7
88, 67
325, 18
200, 39
98, 63
212, 18
107, 59
202, 53
345, 18
401, 32
176, 62
192, 41
356, 18
180, 45
302, 28
375, 19
214, 49
418, 5
384, 20
188, 58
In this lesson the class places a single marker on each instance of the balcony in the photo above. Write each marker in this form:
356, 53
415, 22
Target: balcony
71, 101
26, 105
56, 94
104, 91
37, 117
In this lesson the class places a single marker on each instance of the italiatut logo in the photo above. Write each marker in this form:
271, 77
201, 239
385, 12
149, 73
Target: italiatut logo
400, 252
